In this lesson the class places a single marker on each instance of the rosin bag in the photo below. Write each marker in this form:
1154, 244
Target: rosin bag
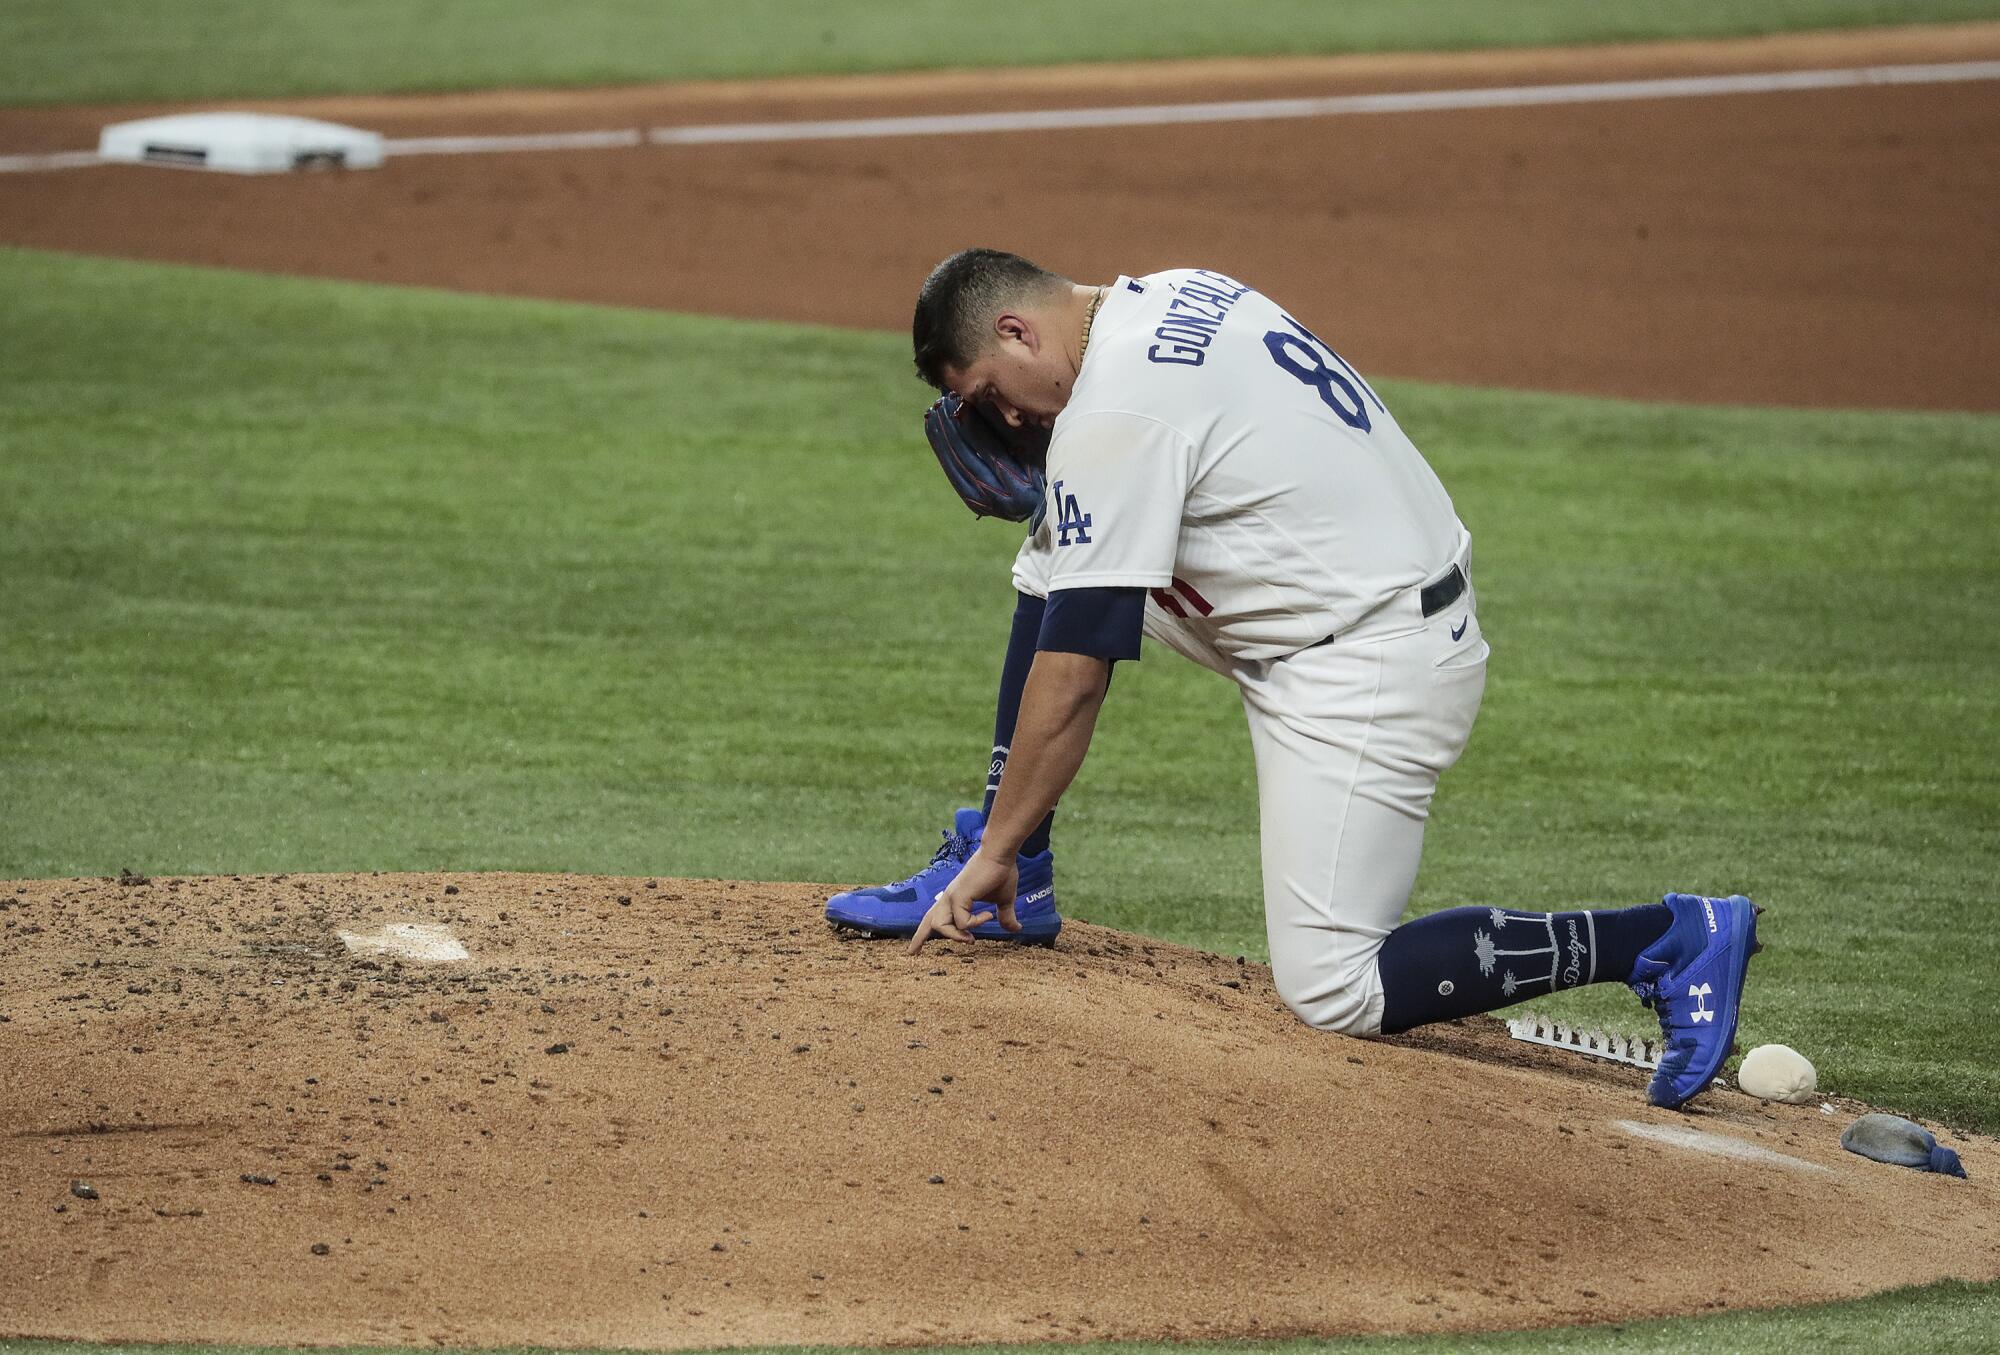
1900, 1142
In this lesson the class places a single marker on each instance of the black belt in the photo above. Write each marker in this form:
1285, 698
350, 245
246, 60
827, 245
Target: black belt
1434, 598
1440, 595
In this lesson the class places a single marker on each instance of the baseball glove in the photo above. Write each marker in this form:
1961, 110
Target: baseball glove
996, 469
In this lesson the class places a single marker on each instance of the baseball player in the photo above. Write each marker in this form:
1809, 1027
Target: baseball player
1200, 467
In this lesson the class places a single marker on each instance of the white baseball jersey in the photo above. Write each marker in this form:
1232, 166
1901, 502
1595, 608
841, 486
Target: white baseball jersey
1217, 453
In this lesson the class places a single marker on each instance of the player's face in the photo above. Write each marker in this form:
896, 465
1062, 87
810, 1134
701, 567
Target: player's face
1021, 378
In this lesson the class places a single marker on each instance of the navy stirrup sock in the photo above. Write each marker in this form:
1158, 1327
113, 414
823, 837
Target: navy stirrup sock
1013, 680
1468, 960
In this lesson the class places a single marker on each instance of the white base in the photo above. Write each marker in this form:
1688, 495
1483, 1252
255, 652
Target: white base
240, 143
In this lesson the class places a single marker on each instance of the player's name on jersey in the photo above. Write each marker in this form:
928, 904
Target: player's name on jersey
1193, 317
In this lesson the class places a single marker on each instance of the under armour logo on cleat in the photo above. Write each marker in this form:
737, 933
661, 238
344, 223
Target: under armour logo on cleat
1702, 1011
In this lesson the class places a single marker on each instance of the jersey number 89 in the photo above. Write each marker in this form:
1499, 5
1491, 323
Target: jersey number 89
1301, 353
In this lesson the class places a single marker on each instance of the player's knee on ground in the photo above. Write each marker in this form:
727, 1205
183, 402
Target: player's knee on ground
1344, 1001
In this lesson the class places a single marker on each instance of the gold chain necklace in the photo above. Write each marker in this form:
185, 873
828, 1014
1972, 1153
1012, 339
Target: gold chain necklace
1089, 319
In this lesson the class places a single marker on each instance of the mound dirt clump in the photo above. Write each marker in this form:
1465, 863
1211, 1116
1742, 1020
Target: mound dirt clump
676, 1113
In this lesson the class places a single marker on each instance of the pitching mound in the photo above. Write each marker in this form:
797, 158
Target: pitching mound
557, 1110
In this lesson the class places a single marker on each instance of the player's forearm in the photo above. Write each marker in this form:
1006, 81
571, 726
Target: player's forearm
1059, 709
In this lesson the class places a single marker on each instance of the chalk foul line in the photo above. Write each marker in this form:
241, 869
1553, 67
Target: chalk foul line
1152, 115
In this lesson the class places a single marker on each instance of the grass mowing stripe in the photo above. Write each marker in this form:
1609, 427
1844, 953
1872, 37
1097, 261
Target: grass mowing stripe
1941, 1319
308, 576
54, 51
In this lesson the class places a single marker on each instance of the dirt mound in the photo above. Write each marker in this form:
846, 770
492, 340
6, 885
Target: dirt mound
685, 1113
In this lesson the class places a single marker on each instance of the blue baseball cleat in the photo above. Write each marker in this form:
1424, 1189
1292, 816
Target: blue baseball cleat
898, 909
1693, 979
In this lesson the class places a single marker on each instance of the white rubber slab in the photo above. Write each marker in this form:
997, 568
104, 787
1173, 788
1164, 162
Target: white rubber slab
419, 941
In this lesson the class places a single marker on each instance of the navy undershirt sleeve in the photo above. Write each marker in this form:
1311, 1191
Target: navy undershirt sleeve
1104, 623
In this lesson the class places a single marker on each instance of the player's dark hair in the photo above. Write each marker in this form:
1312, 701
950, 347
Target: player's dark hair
957, 303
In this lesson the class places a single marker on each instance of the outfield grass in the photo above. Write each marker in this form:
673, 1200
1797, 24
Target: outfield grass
313, 576
55, 51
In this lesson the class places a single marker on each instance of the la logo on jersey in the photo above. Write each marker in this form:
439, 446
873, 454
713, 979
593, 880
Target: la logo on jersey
1069, 518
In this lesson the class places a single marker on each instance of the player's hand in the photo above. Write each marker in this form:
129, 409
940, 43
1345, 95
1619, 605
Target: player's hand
983, 890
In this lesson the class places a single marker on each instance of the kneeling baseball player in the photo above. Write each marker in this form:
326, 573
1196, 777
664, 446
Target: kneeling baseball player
1200, 467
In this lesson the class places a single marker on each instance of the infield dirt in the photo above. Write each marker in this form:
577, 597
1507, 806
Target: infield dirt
1830, 248
676, 1113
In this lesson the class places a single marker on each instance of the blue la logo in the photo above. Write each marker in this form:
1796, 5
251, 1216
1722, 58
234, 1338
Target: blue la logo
1069, 518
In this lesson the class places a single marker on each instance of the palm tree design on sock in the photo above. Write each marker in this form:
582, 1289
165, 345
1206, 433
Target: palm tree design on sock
1488, 954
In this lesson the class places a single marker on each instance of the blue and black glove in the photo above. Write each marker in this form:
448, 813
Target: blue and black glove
996, 469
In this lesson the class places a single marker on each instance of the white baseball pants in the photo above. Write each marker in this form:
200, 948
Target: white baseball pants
1350, 738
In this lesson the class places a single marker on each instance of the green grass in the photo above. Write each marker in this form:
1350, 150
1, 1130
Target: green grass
307, 576
1941, 1319
54, 51
312, 576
